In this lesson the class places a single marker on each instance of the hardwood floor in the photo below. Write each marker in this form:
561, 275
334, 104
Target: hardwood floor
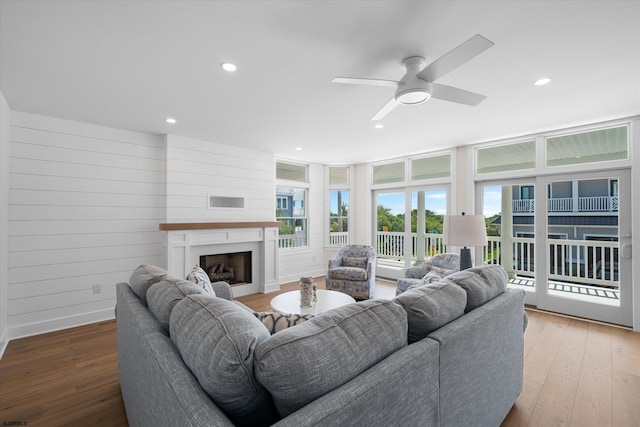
576, 373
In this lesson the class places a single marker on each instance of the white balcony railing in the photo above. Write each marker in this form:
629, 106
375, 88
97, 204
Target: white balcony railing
292, 240
566, 204
338, 238
587, 262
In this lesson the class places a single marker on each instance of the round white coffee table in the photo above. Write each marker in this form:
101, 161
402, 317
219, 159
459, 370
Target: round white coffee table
289, 302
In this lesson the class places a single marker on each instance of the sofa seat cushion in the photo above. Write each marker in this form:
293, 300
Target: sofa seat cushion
348, 273
163, 296
430, 307
143, 277
482, 284
300, 364
217, 339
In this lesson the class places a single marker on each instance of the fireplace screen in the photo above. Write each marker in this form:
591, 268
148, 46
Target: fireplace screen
233, 268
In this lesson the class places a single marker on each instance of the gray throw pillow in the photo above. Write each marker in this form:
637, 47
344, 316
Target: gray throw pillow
482, 284
143, 277
163, 296
430, 307
216, 339
298, 365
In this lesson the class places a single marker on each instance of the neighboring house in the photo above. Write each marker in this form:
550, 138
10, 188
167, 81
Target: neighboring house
577, 210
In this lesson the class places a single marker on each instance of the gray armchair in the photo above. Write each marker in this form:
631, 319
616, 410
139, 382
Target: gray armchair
352, 271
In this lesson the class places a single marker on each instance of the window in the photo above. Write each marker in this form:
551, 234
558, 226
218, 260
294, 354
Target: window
291, 204
291, 172
338, 217
588, 147
339, 179
283, 203
388, 173
291, 212
526, 192
431, 167
517, 156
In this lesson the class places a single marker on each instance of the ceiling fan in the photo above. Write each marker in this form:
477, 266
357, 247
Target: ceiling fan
417, 85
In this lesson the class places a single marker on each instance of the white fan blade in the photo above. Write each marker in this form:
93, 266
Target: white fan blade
369, 82
455, 58
453, 94
386, 109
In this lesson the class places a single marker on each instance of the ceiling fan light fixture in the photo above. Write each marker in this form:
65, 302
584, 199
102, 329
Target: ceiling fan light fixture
413, 96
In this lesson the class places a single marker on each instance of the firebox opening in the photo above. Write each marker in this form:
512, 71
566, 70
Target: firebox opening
233, 268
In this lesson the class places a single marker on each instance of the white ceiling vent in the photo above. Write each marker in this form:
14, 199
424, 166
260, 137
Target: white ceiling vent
225, 202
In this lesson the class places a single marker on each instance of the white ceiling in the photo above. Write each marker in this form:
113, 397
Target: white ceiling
131, 64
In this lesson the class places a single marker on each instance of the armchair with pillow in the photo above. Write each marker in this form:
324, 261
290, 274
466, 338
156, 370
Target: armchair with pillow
352, 271
432, 270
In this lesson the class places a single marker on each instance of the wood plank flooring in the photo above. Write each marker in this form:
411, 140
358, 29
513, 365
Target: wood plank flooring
576, 373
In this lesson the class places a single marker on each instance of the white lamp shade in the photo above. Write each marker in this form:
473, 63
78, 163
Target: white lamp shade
464, 230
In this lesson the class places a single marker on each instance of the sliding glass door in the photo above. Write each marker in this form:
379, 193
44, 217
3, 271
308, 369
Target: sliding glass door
565, 240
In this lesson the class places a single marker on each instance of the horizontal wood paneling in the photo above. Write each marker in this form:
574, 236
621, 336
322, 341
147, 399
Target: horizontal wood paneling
89, 240
84, 207
198, 168
87, 226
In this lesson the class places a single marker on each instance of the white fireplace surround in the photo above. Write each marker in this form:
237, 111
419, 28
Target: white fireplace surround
185, 243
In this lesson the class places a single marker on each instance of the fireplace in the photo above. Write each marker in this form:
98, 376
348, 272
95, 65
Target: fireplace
233, 268
187, 243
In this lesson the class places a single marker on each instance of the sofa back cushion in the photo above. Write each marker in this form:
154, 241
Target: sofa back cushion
432, 306
299, 364
163, 296
482, 284
216, 339
143, 277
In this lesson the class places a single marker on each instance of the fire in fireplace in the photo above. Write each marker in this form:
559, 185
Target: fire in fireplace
233, 268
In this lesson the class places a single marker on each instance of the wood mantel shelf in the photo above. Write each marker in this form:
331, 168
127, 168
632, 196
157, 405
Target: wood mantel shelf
216, 225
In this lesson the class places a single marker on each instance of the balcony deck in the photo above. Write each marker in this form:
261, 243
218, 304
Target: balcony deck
591, 293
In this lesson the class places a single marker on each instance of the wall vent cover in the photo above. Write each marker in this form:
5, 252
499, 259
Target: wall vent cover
225, 202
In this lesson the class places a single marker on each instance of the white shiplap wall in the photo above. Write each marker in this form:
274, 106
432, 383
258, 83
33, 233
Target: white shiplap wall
198, 168
4, 223
84, 206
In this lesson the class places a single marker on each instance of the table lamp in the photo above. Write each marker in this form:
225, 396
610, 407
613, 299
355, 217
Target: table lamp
462, 231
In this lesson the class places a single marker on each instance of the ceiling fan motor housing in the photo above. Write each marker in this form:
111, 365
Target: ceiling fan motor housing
411, 89
415, 92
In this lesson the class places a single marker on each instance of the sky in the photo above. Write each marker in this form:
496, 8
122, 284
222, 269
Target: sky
436, 200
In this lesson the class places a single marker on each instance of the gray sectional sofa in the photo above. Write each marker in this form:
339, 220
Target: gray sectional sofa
446, 354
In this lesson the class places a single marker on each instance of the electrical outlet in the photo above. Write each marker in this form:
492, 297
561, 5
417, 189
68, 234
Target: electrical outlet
97, 288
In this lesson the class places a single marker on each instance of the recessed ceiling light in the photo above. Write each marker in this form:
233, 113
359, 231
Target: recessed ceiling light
541, 82
170, 120
228, 66
379, 126
298, 148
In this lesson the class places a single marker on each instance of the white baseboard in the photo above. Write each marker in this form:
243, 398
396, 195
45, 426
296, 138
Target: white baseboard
4, 341
38, 328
